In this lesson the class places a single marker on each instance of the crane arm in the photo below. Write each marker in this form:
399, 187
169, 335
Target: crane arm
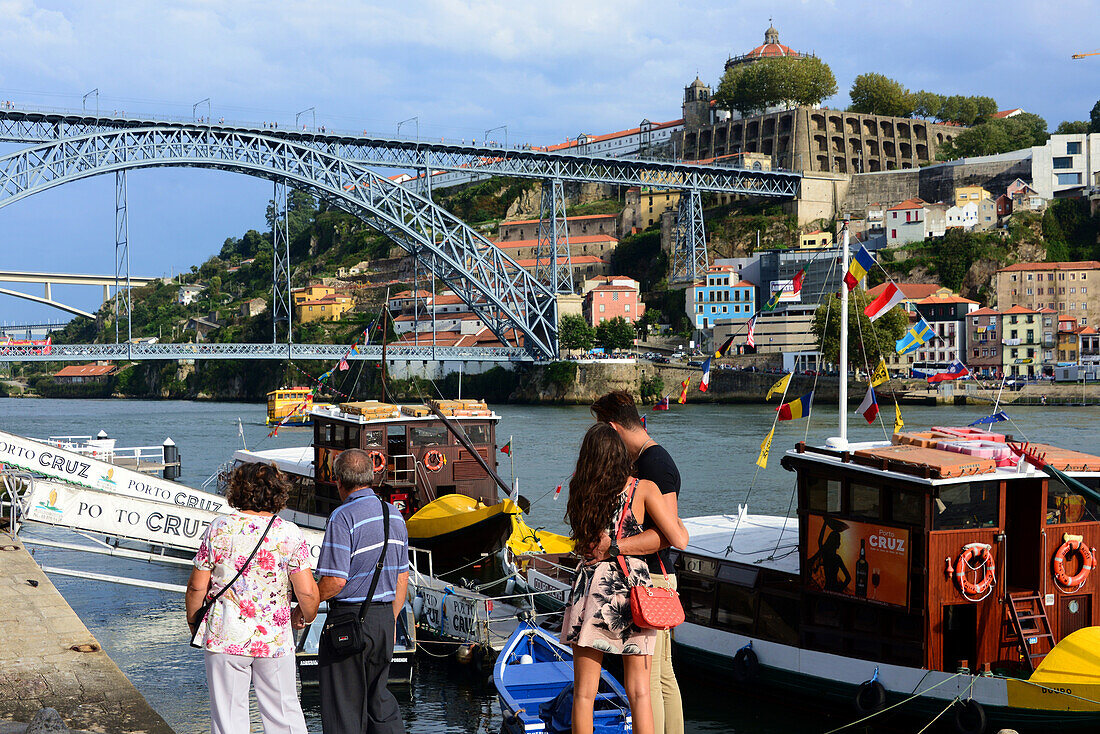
1081, 56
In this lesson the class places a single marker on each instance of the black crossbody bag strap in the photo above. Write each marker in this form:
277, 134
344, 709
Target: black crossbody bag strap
381, 560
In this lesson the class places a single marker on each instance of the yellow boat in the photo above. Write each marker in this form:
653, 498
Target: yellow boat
541, 562
461, 530
291, 404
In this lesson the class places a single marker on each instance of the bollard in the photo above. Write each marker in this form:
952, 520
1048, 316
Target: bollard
171, 459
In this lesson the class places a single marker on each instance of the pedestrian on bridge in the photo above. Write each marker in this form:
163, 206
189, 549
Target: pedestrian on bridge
246, 565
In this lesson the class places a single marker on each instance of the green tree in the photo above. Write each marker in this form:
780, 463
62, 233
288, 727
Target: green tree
575, 333
811, 80
773, 82
877, 338
927, 104
875, 94
986, 108
1072, 127
615, 334
1094, 118
998, 136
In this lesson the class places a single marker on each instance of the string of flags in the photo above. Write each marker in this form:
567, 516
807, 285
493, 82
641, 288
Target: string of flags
683, 392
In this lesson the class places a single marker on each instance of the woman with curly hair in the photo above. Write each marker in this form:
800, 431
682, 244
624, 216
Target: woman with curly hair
602, 495
247, 633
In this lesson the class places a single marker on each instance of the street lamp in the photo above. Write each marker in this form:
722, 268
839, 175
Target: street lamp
195, 106
84, 101
311, 110
494, 129
414, 119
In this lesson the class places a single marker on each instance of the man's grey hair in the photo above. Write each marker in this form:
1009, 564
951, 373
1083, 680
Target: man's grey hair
353, 469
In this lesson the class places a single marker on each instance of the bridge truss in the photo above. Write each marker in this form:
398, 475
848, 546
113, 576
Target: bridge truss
212, 350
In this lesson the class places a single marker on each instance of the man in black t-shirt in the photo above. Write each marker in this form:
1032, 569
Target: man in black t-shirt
652, 462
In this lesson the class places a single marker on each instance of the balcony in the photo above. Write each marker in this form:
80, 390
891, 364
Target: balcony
1012, 342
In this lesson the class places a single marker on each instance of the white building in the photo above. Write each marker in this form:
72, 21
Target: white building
905, 223
188, 293
1066, 163
965, 216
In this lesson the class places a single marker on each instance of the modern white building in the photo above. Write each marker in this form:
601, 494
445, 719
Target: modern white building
1066, 163
965, 216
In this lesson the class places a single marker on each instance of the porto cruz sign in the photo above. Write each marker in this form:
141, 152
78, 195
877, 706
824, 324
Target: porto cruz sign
863, 560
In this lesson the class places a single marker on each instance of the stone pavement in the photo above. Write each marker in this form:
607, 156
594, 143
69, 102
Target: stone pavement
49, 658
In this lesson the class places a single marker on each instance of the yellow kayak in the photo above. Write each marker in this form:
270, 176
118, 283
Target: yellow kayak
525, 540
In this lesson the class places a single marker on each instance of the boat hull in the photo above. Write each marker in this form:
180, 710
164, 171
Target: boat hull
462, 539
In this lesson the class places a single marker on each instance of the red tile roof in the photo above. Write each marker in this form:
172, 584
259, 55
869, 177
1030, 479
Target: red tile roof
1007, 113
578, 240
579, 260
1019, 309
908, 204
934, 300
610, 136
1078, 265
986, 311
85, 370
911, 291
568, 219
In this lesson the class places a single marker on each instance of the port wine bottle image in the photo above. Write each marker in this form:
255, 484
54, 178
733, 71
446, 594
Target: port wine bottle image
861, 570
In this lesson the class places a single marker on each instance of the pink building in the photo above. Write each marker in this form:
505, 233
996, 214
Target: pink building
611, 297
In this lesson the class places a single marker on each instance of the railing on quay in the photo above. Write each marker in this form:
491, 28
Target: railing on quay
209, 350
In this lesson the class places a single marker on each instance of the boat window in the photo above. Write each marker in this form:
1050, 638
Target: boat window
740, 575
907, 507
735, 608
372, 439
824, 494
477, 433
351, 438
328, 433
697, 595
777, 619
967, 505
865, 501
429, 436
1066, 505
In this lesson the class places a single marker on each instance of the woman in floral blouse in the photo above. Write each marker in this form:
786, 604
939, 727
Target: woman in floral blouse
247, 634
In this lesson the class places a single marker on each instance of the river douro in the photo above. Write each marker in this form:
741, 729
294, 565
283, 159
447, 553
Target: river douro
714, 445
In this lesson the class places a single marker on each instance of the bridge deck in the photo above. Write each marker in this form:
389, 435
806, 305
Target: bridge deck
208, 350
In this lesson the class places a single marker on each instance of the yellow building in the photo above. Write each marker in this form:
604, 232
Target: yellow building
328, 308
311, 293
816, 240
967, 194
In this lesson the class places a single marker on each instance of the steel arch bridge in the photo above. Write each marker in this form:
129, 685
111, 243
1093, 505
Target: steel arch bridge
510, 301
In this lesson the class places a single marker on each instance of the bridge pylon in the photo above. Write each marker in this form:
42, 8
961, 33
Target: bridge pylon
282, 301
122, 258
553, 263
689, 246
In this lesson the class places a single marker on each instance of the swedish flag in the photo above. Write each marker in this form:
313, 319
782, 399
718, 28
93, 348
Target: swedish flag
917, 336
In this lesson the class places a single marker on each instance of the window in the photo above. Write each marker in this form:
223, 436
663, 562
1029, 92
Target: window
823, 494
966, 505
627, 308
735, 608
1063, 162
865, 501
603, 307
615, 296
1073, 148
907, 507
1065, 506
1068, 179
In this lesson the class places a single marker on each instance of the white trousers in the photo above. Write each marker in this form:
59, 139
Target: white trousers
229, 677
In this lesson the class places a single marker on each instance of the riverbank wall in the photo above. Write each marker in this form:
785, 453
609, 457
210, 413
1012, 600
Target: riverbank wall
48, 658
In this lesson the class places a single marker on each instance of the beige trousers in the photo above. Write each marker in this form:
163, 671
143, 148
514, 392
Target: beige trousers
664, 693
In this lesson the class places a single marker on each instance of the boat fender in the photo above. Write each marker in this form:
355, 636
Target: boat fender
870, 697
982, 554
1088, 562
745, 664
526, 659
464, 654
434, 460
418, 608
377, 461
970, 717
510, 587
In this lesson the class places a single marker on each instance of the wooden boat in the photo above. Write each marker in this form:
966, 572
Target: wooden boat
917, 571
461, 530
533, 669
291, 406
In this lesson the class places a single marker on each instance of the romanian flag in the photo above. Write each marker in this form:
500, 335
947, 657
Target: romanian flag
869, 407
705, 382
796, 408
507, 448
683, 392
917, 336
890, 297
724, 348
779, 387
861, 265
749, 338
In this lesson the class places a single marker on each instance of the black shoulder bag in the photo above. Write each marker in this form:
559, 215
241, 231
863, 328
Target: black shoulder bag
344, 631
200, 616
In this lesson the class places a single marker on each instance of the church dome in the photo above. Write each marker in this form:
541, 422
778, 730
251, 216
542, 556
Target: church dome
771, 48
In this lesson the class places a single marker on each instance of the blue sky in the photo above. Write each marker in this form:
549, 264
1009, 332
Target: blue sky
546, 69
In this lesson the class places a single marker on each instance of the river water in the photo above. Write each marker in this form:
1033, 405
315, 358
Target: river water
715, 446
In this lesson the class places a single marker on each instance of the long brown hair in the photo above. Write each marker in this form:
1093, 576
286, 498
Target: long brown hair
603, 467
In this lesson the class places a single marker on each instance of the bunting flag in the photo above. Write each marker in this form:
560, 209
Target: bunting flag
890, 297
869, 407
683, 392
557, 492
796, 408
990, 419
955, 371
507, 448
724, 348
343, 364
765, 449
779, 387
917, 336
643, 422
750, 338
860, 266
704, 384
898, 422
881, 374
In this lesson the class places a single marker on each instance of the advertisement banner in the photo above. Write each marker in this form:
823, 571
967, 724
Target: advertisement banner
157, 523
862, 560
786, 291
87, 471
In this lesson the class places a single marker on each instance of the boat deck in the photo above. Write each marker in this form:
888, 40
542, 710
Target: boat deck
293, 460
761, 540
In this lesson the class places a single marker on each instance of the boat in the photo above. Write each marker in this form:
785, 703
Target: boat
530, 673
929, 571
402, 662
291, 406
540, 563
462, 531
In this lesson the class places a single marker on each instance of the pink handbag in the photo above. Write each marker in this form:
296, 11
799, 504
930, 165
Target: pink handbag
652, 608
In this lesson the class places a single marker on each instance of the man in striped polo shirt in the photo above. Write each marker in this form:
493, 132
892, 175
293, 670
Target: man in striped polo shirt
354, 697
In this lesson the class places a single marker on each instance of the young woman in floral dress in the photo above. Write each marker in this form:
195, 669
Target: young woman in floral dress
597, 618
247, 637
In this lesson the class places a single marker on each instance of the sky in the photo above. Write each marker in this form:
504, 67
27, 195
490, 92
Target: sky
547, 70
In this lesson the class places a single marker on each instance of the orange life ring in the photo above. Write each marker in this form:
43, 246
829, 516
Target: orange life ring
983, 554
377, 461
434, 460
1088, 562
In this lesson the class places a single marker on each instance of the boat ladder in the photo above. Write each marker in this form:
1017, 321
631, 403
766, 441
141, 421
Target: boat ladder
1030, 624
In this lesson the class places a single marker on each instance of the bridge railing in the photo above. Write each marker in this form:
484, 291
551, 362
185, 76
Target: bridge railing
208, 350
